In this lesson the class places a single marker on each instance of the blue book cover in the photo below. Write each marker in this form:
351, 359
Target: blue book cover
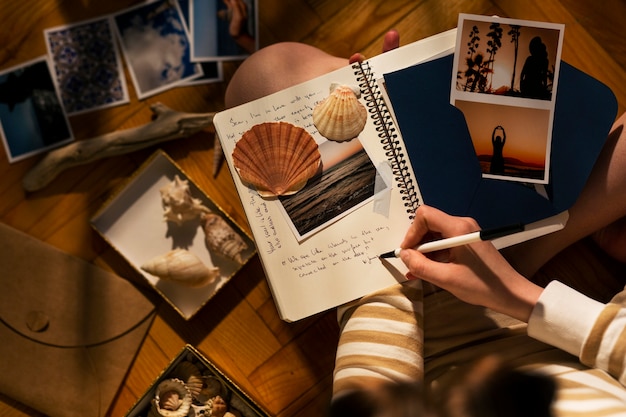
439, 146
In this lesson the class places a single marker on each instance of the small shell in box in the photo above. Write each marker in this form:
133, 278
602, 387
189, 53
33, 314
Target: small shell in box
340, 116
223, 239
182, 267
277, 158
171, 399
190, 374
178, 203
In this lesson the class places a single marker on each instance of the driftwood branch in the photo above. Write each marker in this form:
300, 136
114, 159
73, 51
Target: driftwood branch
167, 125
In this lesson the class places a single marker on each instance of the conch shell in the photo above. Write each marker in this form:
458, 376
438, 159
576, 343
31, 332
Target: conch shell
340, 116
223, 239
182, 267
178, 203
172, 399
277, 158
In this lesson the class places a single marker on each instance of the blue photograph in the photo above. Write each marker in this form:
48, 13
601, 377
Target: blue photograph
32, 119
212, 70
156, 47
88, 68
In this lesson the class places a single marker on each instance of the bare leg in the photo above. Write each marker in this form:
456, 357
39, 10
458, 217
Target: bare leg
283, 65
601, 203
277, 67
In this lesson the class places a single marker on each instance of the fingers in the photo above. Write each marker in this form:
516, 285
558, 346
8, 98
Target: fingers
429, 220
420, 266
391, 40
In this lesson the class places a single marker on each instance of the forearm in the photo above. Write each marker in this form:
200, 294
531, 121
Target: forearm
479, 275
521, 300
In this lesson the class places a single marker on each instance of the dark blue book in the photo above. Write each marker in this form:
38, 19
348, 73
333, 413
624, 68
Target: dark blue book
438, 144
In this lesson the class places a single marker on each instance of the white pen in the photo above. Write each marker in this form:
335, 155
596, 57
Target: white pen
451, 242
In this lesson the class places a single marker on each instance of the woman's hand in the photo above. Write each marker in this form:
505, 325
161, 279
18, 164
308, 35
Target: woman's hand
477, 273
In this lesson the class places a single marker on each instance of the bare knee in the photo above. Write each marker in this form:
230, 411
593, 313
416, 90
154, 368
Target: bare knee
277, 67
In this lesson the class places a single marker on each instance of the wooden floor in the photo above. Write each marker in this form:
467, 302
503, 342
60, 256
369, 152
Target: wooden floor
286, 368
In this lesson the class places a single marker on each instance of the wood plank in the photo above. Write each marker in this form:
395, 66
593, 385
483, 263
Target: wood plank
417, 21
151, 360
580, 49
313, 402
355, 26
604, 23
289, 371
282, 21
325, 9
11, 408
286, 367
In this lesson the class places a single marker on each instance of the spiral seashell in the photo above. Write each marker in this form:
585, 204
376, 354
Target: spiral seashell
182, 267
340, 116
276, 158
223, 239
178, 203
171, 399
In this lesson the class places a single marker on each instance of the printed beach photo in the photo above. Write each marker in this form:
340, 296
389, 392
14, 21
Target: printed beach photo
348, 180
510, 142
507, 57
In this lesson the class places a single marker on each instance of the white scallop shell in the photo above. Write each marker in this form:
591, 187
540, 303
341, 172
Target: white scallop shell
277, 158
340, 116
183, 267
171, 399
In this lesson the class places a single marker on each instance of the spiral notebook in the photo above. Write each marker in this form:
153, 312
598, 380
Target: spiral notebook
335, 260
317, 257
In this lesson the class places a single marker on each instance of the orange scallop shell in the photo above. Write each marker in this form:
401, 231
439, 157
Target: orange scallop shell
277, 158
340, 116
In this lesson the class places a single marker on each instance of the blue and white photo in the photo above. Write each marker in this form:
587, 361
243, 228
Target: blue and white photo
156, 47
32, 119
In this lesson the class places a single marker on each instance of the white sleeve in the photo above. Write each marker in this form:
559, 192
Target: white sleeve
563, 318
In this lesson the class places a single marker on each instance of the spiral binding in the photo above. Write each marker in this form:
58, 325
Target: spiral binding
383, 121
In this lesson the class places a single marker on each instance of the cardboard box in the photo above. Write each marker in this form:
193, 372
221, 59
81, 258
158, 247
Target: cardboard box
238, 402
133, 222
